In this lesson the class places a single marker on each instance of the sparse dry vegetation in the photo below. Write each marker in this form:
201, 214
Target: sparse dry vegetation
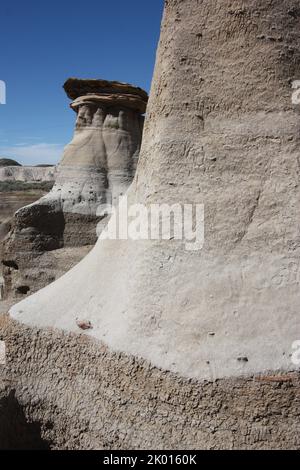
10, 186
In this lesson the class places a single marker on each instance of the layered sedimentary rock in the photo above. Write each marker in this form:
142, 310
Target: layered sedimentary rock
96, 167
215, 325
27, 174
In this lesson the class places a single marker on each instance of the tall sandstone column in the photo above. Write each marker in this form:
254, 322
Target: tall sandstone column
222, 131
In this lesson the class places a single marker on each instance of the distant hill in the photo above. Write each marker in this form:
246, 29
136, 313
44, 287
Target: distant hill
8, 162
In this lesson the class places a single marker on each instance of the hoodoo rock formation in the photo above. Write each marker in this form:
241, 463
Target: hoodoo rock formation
99, 164
96, 168
187, 348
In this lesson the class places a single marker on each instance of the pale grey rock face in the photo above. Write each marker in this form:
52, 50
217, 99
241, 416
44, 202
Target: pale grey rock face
221, 130
99, 164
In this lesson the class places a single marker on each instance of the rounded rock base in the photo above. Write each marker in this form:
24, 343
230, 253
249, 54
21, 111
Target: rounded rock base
97, 399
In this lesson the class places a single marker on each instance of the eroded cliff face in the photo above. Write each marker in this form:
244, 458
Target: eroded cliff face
27, 174
221, 130
96, 168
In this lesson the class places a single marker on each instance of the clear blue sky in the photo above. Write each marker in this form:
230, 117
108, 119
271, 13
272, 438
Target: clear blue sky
44, 43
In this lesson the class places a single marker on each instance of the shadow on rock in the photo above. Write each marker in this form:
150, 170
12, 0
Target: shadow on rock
16, 433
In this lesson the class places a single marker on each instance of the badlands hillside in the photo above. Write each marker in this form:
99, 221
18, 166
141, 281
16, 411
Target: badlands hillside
21, 185
12, 171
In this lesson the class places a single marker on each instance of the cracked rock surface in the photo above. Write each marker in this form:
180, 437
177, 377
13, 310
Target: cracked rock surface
65, 391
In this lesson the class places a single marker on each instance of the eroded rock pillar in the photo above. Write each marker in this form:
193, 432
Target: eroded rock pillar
96, 168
